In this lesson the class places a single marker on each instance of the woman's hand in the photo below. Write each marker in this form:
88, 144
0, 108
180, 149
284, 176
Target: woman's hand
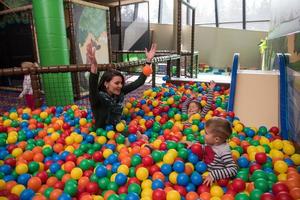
150, 54
91, 56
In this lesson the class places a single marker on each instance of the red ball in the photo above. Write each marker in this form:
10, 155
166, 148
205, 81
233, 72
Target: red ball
223, 182
238, 185
71, 157
274, 130
279, 187
92, 187
132, 129
147, 160
43, 176
149, 123
134, 180
122, 189
59, 185
254, 167
159, 194
261, 157
11, 162
267, 196
98, 156
283, 196
203, 188
153, 169
231, 114
197, 149
180, 189
163, 146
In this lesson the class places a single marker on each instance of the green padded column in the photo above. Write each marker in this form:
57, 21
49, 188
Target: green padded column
53, 49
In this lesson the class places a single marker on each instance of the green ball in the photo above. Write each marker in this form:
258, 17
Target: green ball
188, 131
47, 151
60, 173
40, 143
183, 153
2, 175
171, 145
70, 189
184, 116
120, 139
255, 142
96, 146
91, 151
268, 164
272, 177
255, 194
135, 160
243, 175
30, 146
180, 146
261, 184
123, 196
241, 196
156, 155
258, 174
201, 139
239, 149
94, 178
84, 164
33, 167
47, 120
103, 183
78, 152
114, 197
267, 148
113, 186
22, 137
190, 137
134, 188
171, 114
131, 172
48, 191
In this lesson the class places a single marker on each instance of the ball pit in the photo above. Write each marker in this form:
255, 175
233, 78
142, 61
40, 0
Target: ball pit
54, 153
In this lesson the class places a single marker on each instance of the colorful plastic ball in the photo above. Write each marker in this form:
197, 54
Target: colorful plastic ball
196, 178
216, 191
166, 169
132, 196
255, 194
142, 173
159, 194
134, 188
296, 159
101, 171
18, 189
238, 185
157, 184
173, 195
76, 173
23, 179
27, 194
267, 196
241, 196
201, 167
261, 184
280, 166
121, 179
21, 169
182, 179
136, 160
260, 157
178, 166
243, 162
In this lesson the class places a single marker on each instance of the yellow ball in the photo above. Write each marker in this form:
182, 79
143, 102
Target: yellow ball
177, 117
12, 139
155, 103
43, 115
153, 94
215, 198
142, 173
147, 92
125, 111
296, 158
195, 128
173, 153
128, 105
216, 191
107, 152
260, 149
235, 153
276, 154
251, 149
123, 169
2, 184
101, 140
97, 197
170, 100
238, 127
13, 116
232, 144
78, 139
70, 149
18, 189
277, 144
282, 177
7, 122
82, 121
280, 166
156, 144
113, 177
17, 152
54, 136
69, 140
288, 149
110, 134
147, 192
173, 177
76, 173
21, 169
146, 184
264, 140
173, 195
196, 116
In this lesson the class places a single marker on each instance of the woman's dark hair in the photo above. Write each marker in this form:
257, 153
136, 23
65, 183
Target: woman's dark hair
108, 76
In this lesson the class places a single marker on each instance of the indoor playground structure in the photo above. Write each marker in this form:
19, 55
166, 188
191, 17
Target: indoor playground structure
54, 152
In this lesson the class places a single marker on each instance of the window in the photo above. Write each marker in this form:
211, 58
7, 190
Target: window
258, 15
205, 12
230, 12
184, 14
153, 10
127, 13
142, 15
167, 11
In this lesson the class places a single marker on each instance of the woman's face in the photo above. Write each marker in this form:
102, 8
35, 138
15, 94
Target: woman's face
114, 86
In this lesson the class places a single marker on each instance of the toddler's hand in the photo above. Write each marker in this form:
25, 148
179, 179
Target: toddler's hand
208, 180
212, 85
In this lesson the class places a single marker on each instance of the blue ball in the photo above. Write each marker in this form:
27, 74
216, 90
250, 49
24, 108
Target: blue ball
132, 196
121, 179
89, 139
132, 138
115, 167
166, 169
27, 194
196, 178
112, 158
101, 171
243, 162
190, 187
64, 196
54, 168
179, 166
193, 158
157, 184
182, 179
201, 167
6, 169
23, 179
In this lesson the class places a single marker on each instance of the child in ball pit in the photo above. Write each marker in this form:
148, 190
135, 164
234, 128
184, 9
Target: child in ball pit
193, 106
216, 152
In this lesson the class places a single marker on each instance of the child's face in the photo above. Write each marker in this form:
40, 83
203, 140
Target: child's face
193, 108
210, 138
